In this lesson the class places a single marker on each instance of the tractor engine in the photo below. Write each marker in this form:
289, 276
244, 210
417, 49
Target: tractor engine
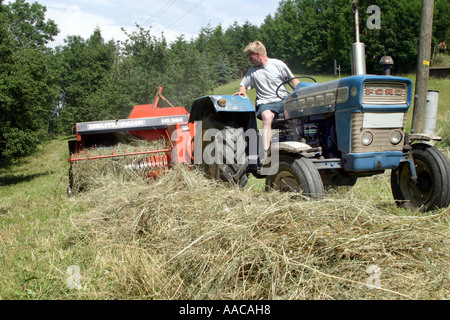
318, 132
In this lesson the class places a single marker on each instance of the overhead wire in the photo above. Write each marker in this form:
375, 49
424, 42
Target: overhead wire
182, 16
159, 13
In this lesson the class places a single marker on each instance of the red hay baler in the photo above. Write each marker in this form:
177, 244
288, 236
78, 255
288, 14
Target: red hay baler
147, 122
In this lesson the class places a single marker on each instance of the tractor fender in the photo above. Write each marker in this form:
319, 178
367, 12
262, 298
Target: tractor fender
221, 111
294, 147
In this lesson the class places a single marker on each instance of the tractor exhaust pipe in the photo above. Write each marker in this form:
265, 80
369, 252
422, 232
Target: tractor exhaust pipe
358, 49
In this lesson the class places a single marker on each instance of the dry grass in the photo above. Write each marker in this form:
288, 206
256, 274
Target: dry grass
90, 174
185, 237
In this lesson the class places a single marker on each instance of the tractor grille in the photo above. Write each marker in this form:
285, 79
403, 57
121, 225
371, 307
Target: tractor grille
385, 93
381, 136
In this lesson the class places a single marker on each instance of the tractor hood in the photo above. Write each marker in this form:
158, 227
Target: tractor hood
219, 103
355, 94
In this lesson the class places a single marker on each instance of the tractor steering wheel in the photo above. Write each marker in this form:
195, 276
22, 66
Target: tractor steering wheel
289, 82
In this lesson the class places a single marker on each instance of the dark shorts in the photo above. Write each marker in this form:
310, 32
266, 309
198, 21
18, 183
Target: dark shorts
275, 107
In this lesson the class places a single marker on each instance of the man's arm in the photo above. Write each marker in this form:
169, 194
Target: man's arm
294, 83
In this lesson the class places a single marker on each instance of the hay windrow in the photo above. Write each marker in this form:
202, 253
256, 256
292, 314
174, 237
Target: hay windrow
183, 236
90, 174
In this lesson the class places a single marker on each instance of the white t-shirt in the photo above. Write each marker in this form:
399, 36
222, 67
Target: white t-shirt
266, 79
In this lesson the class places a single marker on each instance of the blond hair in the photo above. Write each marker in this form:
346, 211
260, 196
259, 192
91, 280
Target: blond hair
256, 47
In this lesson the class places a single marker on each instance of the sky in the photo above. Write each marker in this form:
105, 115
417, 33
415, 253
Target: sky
172, 17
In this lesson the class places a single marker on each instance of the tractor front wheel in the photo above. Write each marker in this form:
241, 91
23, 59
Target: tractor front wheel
431, 188
296, 175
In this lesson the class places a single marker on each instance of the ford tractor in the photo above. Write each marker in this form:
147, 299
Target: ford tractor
330, 134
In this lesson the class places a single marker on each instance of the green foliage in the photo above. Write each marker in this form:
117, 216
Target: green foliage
397, 37
190, 75
238, 38
27, 87
95, 87
27, 24
83, 66
28, 92
441, 22
310, 34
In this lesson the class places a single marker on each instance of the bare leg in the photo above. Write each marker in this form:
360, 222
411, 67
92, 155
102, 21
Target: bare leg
267, 118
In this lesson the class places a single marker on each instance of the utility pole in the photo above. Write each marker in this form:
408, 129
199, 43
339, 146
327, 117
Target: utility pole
423, 67
116, 58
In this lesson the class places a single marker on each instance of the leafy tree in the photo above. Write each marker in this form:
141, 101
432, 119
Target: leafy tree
310, 34
27, 87
148, 64
281, 32
441, 27
85, 64
180, 68
441, 23
397, 37
27, 24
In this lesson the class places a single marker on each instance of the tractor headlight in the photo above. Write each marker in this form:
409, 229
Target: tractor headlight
396, 137
367, 138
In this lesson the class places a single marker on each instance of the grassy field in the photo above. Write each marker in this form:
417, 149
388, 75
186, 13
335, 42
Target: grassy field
185, 237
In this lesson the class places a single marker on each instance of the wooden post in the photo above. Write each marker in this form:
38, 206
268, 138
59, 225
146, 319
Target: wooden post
423, 67
116, 59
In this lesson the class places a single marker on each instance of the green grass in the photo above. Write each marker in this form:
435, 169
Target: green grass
35, 225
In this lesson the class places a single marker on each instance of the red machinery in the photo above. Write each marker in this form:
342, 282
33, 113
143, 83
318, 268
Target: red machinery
148, 122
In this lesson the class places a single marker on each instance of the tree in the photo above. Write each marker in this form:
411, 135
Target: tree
238, 38
84, 66
191, 75
281, 32
27, 87
28, 26
29, 94
310, 34
224, 71
397, 37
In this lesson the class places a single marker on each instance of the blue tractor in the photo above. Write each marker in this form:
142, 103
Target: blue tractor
330, 134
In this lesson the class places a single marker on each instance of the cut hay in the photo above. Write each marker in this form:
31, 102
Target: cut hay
92, 173
183, 236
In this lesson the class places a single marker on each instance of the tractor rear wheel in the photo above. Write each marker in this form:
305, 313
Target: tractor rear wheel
296, 175
431, 190
225, 158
